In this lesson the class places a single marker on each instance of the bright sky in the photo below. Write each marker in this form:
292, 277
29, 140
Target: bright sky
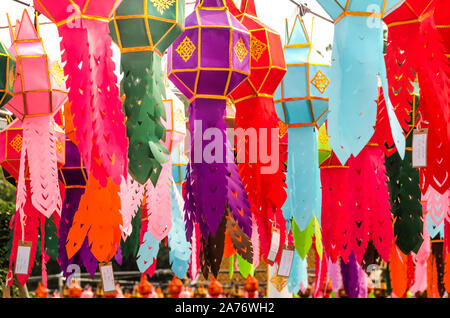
272, 12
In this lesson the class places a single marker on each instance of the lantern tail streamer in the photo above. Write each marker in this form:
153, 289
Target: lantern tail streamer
26, 228
438, 206
398, 271
421, 262
148, 252
103, 227
180, 248
298, 277
303, 200
350, 276
255, 243
211, 252
84, 256
194, 267
77, 66
334, 274
131, 196
144, 109
40, 147
159, 200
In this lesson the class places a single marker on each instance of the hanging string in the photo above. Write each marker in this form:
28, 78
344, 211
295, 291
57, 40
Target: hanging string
303, 9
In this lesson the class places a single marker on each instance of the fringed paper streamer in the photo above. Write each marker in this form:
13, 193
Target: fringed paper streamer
398, 271
414, 37
131, 196
421, 262
432, 277
255, 243
321, 275
211, 197
84, 256
358, 61
148, 252
362, 283
438, 207
40, 147
212, 250
144, 109
350, 276
131, 245
93, 93
369, 206
299, 274
26, 228
159, 200
403, 184
265, 231
102, 228
180, 248
335, 202
264, 182
303, 199
334, 274
44, 256
194, 267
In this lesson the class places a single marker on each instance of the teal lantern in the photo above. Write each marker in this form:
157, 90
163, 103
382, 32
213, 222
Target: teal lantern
7, 75
301, 102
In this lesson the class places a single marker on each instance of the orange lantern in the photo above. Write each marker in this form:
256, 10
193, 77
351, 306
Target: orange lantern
145, 288
175, 287
251, 286
75, 290
41, 291
215, 288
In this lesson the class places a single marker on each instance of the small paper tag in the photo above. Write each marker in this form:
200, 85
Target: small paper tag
274, 246
419, 148
23, 257
287, 256
107, 274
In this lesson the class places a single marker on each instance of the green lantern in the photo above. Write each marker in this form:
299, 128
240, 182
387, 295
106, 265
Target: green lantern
7, 75
143, 30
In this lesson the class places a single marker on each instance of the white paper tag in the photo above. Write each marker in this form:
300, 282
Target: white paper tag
419, 148
274, 246
106, 271
23, 257
287, 256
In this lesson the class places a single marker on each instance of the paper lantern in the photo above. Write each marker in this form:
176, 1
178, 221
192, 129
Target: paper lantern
264, 181
206, 63
11, 142
160, 198
74, 177
93, 93
143, 30
8, 75
357, 62
39, 92
302, 104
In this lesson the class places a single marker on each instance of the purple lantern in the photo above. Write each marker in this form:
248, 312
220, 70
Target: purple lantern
207, 62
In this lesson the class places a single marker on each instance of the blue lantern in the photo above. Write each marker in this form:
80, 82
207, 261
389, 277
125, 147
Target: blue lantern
301, 103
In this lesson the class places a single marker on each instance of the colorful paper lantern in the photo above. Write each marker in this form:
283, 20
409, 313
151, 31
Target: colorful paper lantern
161, 201
39, 93
357, 62
93, 93
303, 109
264, 181
8, 75
74, 177
143, 30
11, 142
206, 63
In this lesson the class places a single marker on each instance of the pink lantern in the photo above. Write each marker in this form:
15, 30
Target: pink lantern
39, 93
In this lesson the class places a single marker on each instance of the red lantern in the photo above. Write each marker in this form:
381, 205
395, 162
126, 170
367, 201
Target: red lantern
251, 286
255, 110
41, 291
175, 287
215, 288
75, 290
145, 288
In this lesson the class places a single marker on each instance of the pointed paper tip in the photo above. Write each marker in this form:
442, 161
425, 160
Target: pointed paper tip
248, 6
299, 35
25, 29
